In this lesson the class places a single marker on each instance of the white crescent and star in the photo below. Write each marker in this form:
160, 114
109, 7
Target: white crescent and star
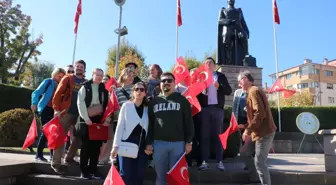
182, 170
54, 132
276, 87
181, 66
206, 76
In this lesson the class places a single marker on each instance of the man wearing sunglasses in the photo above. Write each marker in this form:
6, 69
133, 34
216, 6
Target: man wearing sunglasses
134, 67
69, 69
170, 129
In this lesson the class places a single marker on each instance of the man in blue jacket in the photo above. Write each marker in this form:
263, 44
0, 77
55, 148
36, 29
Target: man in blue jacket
41, 102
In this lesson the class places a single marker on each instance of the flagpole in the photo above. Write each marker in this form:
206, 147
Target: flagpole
177, 27
74, 49
277, 72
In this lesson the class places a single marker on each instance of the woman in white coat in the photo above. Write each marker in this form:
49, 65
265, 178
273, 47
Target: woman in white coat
130, 136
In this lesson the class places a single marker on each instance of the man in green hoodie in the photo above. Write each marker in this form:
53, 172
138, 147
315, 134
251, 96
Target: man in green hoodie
171, 128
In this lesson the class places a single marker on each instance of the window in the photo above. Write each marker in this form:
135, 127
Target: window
298, 73
330, 86
314, 84
328, 73
302, 85
288, 76
331, 100
316, 71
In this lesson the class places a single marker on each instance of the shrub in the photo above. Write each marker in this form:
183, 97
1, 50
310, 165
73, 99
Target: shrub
14, 126
12, 97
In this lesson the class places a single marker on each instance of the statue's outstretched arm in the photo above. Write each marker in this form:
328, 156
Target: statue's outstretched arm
244, 24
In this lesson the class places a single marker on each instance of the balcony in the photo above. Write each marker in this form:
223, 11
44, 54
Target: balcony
310, 77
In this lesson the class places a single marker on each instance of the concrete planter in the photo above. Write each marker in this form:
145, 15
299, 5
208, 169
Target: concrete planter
329, 142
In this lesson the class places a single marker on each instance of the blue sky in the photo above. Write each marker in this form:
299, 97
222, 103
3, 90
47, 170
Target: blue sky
307, 30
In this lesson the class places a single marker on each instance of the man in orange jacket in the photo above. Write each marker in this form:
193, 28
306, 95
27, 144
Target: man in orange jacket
65, 105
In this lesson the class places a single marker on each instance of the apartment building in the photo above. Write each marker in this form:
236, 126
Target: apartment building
318, 79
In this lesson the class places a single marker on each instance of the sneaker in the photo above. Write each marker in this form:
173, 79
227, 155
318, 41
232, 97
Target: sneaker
41, 159
86, 176
70, 162
97, 176
204, 166
57, 169
105, 162
220, 166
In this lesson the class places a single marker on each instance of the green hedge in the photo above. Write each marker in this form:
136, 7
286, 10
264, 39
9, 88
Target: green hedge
12, 97
14, 126
289, 114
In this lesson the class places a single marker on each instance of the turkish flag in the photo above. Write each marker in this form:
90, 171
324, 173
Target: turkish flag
202, 77
113, 177
111, 82
288, 93
54, 133
179, 15
232, 128
276, 16
178, 174
78, 13
31, 136
180, 71
112, 106
191, 97
276, 87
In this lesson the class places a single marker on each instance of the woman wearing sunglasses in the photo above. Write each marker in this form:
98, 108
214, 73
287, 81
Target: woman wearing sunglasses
130, 136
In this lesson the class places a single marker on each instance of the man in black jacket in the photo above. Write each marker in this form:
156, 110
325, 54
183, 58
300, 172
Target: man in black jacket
212, 115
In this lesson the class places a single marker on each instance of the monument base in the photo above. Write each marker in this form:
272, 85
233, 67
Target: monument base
231, 73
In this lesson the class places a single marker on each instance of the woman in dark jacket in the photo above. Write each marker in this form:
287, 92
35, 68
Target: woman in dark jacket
92, 96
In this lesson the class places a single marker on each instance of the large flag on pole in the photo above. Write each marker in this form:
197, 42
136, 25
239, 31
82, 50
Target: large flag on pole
78, 13
276, 12
179, 15
276, 21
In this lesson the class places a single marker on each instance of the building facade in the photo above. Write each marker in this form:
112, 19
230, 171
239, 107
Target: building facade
318, 79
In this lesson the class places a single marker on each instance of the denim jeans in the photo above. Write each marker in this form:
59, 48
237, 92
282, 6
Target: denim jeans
166, 154
46, 115
257, 165
132, 170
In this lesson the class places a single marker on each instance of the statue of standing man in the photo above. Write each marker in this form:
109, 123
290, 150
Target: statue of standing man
233, 35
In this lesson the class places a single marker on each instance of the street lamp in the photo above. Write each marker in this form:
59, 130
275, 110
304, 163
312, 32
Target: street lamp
121, 32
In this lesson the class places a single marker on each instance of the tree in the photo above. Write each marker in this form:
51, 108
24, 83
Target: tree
191, 62
211, 53
16, 48
303, 98
36, 72
127, 53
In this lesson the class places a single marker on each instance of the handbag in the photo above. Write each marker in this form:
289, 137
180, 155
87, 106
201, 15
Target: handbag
128, 149
98, 132
96, 109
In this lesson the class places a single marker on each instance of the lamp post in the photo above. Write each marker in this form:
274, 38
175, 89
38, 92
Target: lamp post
121, 32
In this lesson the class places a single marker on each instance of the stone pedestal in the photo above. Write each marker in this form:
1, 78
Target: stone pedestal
231, 73
329, 145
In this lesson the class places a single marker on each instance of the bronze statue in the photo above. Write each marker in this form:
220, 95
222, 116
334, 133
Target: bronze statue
233, 34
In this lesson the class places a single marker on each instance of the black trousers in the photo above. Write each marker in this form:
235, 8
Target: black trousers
89, 155
196, 150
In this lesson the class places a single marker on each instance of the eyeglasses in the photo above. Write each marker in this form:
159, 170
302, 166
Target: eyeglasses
139, 89
169, 80
70, 72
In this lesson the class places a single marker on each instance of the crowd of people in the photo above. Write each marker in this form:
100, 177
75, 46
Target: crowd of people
154, 125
